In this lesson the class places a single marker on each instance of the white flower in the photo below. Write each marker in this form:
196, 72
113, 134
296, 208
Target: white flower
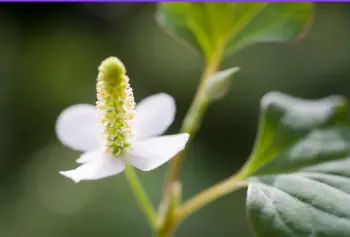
111, 144
77, 128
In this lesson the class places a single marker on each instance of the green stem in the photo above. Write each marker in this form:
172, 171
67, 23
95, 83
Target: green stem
209, 195
191, 124
163, 235
195, 115
141, 196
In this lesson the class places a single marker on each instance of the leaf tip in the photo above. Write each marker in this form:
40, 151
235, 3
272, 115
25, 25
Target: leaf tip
269, 98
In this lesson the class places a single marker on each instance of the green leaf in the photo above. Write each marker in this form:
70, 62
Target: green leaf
294, 133
229, 26
218, 85
299, 170
302, 205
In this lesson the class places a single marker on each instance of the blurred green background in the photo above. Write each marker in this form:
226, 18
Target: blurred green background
49, 55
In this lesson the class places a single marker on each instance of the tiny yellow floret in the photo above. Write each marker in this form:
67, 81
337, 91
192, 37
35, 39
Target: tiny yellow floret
116, 106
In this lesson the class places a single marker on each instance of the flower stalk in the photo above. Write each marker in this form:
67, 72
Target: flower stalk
141, 196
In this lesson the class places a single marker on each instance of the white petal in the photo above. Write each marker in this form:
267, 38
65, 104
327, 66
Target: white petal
76, 127
102, 166
151, 153
89, 157
154, 115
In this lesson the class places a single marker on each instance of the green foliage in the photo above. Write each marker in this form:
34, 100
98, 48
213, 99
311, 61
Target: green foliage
229, 26
300, 163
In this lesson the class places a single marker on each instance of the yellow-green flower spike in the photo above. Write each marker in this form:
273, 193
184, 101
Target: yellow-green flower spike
116, 106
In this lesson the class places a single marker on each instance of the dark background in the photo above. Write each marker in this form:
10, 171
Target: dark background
49, 55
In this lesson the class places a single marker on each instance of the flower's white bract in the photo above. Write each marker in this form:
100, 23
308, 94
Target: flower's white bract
77, 128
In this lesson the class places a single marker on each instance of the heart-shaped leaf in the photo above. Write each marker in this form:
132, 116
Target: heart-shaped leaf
299, 170
229, 26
